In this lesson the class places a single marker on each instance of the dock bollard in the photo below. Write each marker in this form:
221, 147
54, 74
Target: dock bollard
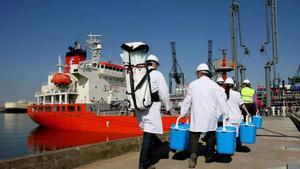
283, 110
273, 110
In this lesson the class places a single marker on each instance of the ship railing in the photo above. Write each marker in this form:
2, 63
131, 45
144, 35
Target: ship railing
38, 93
103, 108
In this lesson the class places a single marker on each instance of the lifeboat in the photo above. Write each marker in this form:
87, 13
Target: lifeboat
61, 79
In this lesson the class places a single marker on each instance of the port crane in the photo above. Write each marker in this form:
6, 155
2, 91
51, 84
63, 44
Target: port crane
176, 72
236, 31
271, 9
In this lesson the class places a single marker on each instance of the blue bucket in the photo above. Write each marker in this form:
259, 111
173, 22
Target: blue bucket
247, 132
257, 120
179, 136
226, 139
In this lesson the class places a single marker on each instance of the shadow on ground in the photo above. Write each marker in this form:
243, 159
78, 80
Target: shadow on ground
275, 134
160, 152
219, 158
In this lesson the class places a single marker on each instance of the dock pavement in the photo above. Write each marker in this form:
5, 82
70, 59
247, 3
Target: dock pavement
277, 147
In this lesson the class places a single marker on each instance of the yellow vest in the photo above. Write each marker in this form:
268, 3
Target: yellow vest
247, 94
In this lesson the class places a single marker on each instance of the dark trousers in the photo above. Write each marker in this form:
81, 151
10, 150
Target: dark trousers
210, 143
251, 109
238, 143
150, 141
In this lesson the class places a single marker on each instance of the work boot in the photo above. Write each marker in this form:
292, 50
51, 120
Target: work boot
192, 160
209, 157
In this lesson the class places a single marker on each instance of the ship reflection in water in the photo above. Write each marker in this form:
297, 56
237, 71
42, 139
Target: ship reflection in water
46, 139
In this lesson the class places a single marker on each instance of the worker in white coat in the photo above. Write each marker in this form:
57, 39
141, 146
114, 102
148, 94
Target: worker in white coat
220, 81
207, 101
150, 120
233, 103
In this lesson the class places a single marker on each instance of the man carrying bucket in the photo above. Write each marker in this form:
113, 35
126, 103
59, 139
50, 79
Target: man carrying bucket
249, 98
220, 82
150, 120
234, 102
208, 102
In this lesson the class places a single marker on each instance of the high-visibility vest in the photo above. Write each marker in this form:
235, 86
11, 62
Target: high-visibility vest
247, 94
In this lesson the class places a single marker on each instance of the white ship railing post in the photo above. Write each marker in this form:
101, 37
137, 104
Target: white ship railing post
60, 98
52, 99
66, 98
44, 99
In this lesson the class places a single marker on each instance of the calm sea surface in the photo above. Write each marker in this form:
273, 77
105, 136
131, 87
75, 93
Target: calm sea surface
20, 136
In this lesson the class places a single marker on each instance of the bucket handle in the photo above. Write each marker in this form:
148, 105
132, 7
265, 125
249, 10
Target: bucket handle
177, 121
248, 119
224, 124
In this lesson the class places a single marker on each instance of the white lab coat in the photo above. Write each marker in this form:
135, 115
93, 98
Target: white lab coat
150, 120
220, 119
208, 103
233, 108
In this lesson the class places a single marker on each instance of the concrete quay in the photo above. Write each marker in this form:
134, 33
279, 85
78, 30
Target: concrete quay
277, 147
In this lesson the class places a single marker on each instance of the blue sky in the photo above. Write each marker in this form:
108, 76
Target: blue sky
34, 32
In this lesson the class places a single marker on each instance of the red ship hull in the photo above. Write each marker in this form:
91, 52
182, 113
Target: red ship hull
78, 119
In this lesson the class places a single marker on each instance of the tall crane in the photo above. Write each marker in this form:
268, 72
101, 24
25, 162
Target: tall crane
178, 76
235, 32
209, 60
271, 9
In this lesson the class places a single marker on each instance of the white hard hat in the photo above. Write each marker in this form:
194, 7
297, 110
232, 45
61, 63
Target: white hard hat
203, 67
152, 58
220, 79
246, 81
229, 80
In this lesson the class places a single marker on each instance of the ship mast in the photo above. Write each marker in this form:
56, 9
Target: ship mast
60, 65
95, 47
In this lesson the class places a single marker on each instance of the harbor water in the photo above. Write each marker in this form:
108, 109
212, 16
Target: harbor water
20, 136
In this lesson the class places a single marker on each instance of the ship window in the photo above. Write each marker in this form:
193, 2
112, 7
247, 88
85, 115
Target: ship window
48, 109
114, 68
78, 108
56, 109
63, 109
102, 66
117, 69
41, 109
109, 67
71, 108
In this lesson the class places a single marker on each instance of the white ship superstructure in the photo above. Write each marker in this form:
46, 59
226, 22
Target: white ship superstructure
84, 81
